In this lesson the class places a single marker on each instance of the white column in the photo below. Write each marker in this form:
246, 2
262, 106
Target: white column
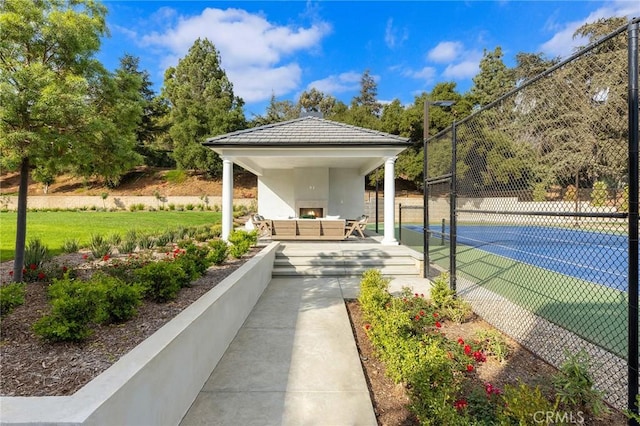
389, 238
227, 197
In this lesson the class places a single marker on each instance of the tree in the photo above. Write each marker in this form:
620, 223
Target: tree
202, 105
365, 108
46, 69
153, 124
277, 111
493, 80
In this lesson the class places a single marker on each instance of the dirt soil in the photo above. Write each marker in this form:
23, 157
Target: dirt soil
141, 181
390, 400
32, 367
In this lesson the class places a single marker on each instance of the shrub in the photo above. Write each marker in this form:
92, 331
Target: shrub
194, 262
189, 206
36, 253
127, 246
520, 404
599, 194
70, 245
492, 342
216, 230
74, 306
99, 246
11, 296
146, 242
161, 280
445, 300
218, 250
176, 176
120, 299
540, 192
242, 241
574, 385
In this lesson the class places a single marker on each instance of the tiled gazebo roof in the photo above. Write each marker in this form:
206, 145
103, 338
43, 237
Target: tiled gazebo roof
305, 131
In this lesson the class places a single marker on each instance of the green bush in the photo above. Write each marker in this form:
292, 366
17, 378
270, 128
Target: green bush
241, 242
218, 251
75, 305
521, 402
574, 385
176, 176
194, 261
599, 194
99, 246
446, 301
161, 280
120, 299
70, 245
35, 253
540, 192
11, 296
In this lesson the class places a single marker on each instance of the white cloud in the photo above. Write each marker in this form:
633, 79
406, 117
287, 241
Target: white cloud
253, 50
468, 67
445, 51
562, 42
340, 83
427, 74
394, 37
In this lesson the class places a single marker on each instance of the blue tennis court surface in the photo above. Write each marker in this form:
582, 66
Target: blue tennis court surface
597, 257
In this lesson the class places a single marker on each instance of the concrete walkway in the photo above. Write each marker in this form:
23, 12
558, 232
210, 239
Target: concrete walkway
294, 361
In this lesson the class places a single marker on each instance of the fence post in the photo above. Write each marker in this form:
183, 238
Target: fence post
442, 233
400, 223
633, 220
452, 220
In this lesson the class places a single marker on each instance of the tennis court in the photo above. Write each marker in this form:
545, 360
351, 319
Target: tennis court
574, 278
597, 257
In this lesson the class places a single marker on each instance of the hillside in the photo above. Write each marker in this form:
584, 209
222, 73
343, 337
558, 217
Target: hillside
142, 181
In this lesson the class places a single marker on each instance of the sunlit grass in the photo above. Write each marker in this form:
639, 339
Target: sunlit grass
53, 228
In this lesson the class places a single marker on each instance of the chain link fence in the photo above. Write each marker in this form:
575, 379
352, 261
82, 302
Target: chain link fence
533, 220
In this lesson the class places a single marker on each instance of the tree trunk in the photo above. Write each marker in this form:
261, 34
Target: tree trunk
21, 228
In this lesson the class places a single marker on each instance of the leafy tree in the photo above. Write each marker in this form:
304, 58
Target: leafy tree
317, 101
202, 105
493, 80
46, 76
153, 124
277, 111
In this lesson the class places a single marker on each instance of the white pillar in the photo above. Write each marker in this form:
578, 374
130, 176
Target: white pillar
389, 238
227, 197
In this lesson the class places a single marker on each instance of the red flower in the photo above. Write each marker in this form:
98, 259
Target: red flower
85, 256
417, 318
460, 341
64, 269
11, 273
105, 257
435, 315
460, 404
421, 313
469, 367
491, 390
479, 356
467, 349
33, 266
416, 295
367, 326
438, 325
41, 276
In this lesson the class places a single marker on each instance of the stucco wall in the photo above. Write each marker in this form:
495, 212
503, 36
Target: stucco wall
347, 193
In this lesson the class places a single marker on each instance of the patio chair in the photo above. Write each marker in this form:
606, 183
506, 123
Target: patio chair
262, 225
356, 225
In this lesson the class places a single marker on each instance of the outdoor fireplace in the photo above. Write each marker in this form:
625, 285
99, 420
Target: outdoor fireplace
310, 212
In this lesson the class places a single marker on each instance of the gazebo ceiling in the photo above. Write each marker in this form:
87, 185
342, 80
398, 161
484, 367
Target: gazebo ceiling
308, 142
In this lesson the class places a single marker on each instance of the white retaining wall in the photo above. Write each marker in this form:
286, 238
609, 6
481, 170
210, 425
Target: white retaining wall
159, 379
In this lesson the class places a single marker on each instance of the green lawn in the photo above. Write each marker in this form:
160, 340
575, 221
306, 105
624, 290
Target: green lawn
53, 228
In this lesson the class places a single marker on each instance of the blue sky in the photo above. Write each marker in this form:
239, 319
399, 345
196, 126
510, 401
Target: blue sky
286, 47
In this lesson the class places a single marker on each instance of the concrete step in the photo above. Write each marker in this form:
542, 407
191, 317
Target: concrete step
333, 271
345, 262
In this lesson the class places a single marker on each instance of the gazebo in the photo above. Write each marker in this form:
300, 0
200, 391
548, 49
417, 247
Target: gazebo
309, 165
